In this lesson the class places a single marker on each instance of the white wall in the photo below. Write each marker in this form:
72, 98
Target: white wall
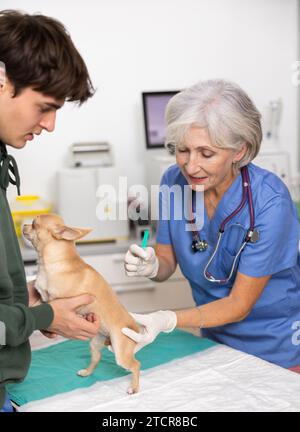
298, 90
132, 46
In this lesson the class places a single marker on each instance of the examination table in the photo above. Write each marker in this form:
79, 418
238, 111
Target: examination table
180, 372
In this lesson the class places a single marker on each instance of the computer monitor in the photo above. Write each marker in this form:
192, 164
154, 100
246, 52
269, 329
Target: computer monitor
154, 105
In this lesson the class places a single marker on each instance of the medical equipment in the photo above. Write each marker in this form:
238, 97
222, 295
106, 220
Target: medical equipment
91, 154
157, 162
80, 203
276, 161
271, 117
145, 239
201, 245
154, 105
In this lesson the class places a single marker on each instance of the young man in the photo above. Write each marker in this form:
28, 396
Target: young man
43, 70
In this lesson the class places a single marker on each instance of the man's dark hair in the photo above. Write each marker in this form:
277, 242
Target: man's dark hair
39, 53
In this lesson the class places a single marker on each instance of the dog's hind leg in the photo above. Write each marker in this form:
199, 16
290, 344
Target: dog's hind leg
135, 380
134, 366
96, 344
124, 353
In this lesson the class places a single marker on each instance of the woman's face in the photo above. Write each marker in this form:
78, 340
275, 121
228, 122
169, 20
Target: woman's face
203, 164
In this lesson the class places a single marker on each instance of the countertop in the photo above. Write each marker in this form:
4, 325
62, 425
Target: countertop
93, 248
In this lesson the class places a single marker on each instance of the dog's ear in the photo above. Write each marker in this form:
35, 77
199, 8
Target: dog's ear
69, 233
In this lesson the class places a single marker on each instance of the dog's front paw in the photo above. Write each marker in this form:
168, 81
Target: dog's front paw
84, 372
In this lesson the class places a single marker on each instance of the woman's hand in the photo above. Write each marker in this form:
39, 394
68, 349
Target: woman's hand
152, 324
141, 262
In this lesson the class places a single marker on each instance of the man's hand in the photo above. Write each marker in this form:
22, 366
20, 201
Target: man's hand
34, 296
49, 334
68, 323
90, 317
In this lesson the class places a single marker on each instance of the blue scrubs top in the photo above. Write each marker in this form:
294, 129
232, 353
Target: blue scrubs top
271, 330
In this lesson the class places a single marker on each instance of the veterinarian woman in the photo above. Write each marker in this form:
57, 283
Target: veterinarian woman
243, 263
43, 69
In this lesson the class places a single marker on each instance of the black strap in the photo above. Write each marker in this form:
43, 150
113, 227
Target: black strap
8, 167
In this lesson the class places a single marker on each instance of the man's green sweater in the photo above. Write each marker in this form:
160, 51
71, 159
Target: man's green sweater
17, 320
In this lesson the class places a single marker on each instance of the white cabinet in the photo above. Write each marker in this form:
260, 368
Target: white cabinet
139, 294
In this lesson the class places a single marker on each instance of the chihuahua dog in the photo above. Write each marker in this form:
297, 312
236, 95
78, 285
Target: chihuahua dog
62, 273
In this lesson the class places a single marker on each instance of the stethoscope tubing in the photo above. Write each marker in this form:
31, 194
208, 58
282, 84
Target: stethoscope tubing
247, 196
208, 276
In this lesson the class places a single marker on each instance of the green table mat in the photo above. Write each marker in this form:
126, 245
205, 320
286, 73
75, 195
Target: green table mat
53, 369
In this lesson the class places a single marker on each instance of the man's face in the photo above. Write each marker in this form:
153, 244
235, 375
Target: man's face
25, 115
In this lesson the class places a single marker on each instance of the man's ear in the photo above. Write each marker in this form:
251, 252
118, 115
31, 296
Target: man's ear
63, 232
6, 86
2, 74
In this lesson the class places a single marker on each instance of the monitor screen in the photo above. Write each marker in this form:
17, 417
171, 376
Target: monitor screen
154, 105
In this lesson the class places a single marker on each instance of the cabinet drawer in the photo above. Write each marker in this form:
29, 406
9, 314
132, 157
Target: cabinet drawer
111, 268
165, 295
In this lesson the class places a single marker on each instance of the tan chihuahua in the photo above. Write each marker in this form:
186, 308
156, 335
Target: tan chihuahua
62, 273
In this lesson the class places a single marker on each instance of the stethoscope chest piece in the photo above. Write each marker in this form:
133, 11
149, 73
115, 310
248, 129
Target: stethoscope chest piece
199, 245
255, 236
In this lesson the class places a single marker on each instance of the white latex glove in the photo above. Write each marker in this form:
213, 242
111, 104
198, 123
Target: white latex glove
141, 262
152, 324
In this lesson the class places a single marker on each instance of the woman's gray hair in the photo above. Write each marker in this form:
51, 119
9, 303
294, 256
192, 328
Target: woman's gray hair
224, 109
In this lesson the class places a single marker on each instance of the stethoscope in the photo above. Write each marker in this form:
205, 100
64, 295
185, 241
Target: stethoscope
201, 245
